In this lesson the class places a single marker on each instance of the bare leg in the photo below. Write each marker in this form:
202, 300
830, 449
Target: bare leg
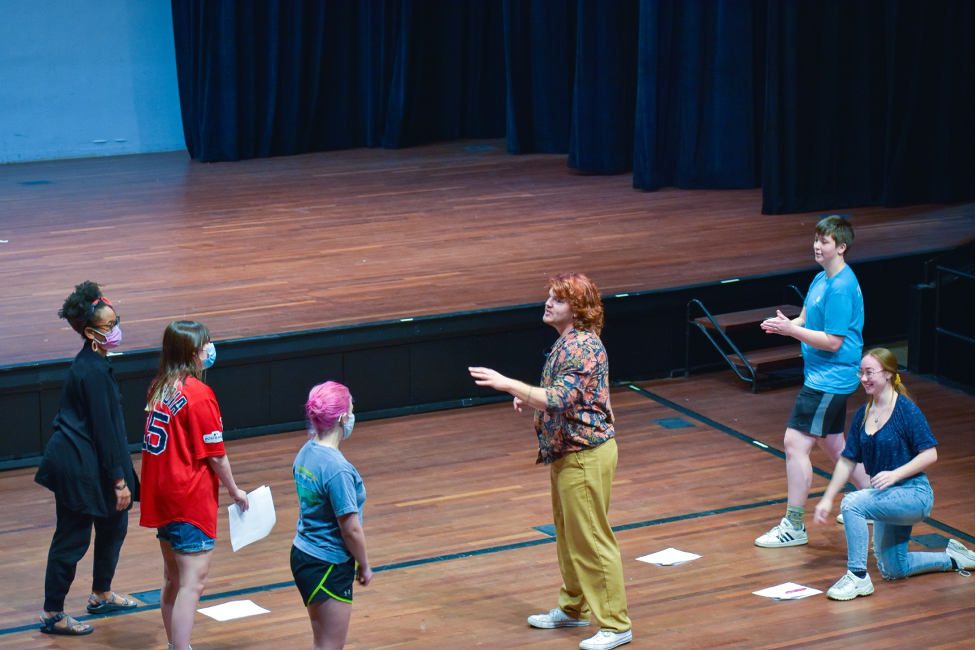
171, 585
187, 576
330, 623
797, 447
832, 445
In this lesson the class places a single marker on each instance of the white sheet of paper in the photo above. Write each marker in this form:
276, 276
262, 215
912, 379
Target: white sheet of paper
669, 557
233, 609
787, 591
256, 522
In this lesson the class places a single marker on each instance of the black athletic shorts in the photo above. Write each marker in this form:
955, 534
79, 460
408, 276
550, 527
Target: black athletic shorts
318, 579
817, 413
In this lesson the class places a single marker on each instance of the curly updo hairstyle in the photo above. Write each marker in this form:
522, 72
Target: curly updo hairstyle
80, 307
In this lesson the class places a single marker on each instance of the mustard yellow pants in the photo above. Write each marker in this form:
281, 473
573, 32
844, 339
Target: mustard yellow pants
590, 561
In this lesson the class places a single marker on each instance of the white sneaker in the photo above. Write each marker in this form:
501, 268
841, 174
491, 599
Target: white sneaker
960, 554
783, 534
851, 586
556, 618
841, 520
605, 639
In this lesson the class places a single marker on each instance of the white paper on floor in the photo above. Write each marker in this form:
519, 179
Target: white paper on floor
233, 609
669, 557
787, 591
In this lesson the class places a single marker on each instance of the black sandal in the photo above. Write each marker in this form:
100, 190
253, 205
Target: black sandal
73, 627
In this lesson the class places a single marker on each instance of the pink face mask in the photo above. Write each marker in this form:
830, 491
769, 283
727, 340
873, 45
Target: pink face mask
113, 338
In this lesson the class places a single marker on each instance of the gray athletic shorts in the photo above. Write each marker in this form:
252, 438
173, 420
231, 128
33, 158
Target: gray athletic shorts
818, 413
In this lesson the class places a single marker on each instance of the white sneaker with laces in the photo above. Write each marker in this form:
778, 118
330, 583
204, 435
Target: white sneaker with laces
960, 554
605, 639
783, 534
851, 586
555, 618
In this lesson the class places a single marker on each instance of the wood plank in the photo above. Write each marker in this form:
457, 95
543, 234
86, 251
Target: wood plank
306, 242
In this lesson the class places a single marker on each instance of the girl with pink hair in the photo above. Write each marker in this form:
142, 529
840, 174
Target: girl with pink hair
329, 549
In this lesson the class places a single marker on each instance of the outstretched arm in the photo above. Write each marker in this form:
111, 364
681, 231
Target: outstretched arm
524, 394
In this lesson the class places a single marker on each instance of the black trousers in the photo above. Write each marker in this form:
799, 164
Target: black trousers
72, 536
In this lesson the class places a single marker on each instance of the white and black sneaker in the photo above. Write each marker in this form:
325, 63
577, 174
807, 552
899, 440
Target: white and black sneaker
783, 534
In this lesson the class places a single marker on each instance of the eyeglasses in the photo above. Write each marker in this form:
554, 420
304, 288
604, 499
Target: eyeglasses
109, 326
868, 374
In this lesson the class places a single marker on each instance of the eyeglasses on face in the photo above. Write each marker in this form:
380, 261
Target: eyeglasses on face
108, 327
868, 373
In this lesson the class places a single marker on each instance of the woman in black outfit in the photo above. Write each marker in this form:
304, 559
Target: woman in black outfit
88, 467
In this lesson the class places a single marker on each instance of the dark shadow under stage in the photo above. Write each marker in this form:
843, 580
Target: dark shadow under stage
392, 270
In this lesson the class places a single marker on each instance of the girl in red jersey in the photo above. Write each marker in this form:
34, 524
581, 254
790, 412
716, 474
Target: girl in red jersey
183, 457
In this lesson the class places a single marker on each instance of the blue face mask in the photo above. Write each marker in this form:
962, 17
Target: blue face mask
348, 426
211, 355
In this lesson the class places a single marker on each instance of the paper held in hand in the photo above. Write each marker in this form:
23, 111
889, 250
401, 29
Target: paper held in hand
256, 522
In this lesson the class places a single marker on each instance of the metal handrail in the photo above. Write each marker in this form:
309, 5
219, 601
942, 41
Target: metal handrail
689, 321
940, 270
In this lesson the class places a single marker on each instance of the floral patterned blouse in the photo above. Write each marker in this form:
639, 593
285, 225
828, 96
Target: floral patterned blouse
578, 405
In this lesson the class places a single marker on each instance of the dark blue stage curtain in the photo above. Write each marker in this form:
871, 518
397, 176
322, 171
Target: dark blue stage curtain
834, 103
264, 78
700, 94
540, 37
868, 103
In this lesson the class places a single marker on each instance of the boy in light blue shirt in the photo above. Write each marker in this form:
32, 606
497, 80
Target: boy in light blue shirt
830, 331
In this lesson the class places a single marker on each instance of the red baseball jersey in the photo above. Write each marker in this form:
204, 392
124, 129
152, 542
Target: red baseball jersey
182, 432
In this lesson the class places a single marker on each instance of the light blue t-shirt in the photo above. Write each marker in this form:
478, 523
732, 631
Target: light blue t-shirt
834, 305
328, 487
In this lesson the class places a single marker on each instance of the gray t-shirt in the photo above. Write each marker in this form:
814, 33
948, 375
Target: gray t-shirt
328, 487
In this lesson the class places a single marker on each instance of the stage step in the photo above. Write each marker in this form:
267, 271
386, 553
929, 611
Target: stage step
735, 335
770, 359
746, 319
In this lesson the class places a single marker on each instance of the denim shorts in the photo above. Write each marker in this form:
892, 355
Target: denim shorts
185, 538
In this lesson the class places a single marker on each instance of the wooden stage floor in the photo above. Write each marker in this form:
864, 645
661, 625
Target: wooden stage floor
450, 521
330, 239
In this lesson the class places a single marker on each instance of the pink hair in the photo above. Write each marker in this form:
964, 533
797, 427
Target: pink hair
327, 403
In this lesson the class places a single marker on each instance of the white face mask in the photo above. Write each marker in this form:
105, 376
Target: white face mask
348, 426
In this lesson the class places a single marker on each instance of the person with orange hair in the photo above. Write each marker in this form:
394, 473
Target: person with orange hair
575, 427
